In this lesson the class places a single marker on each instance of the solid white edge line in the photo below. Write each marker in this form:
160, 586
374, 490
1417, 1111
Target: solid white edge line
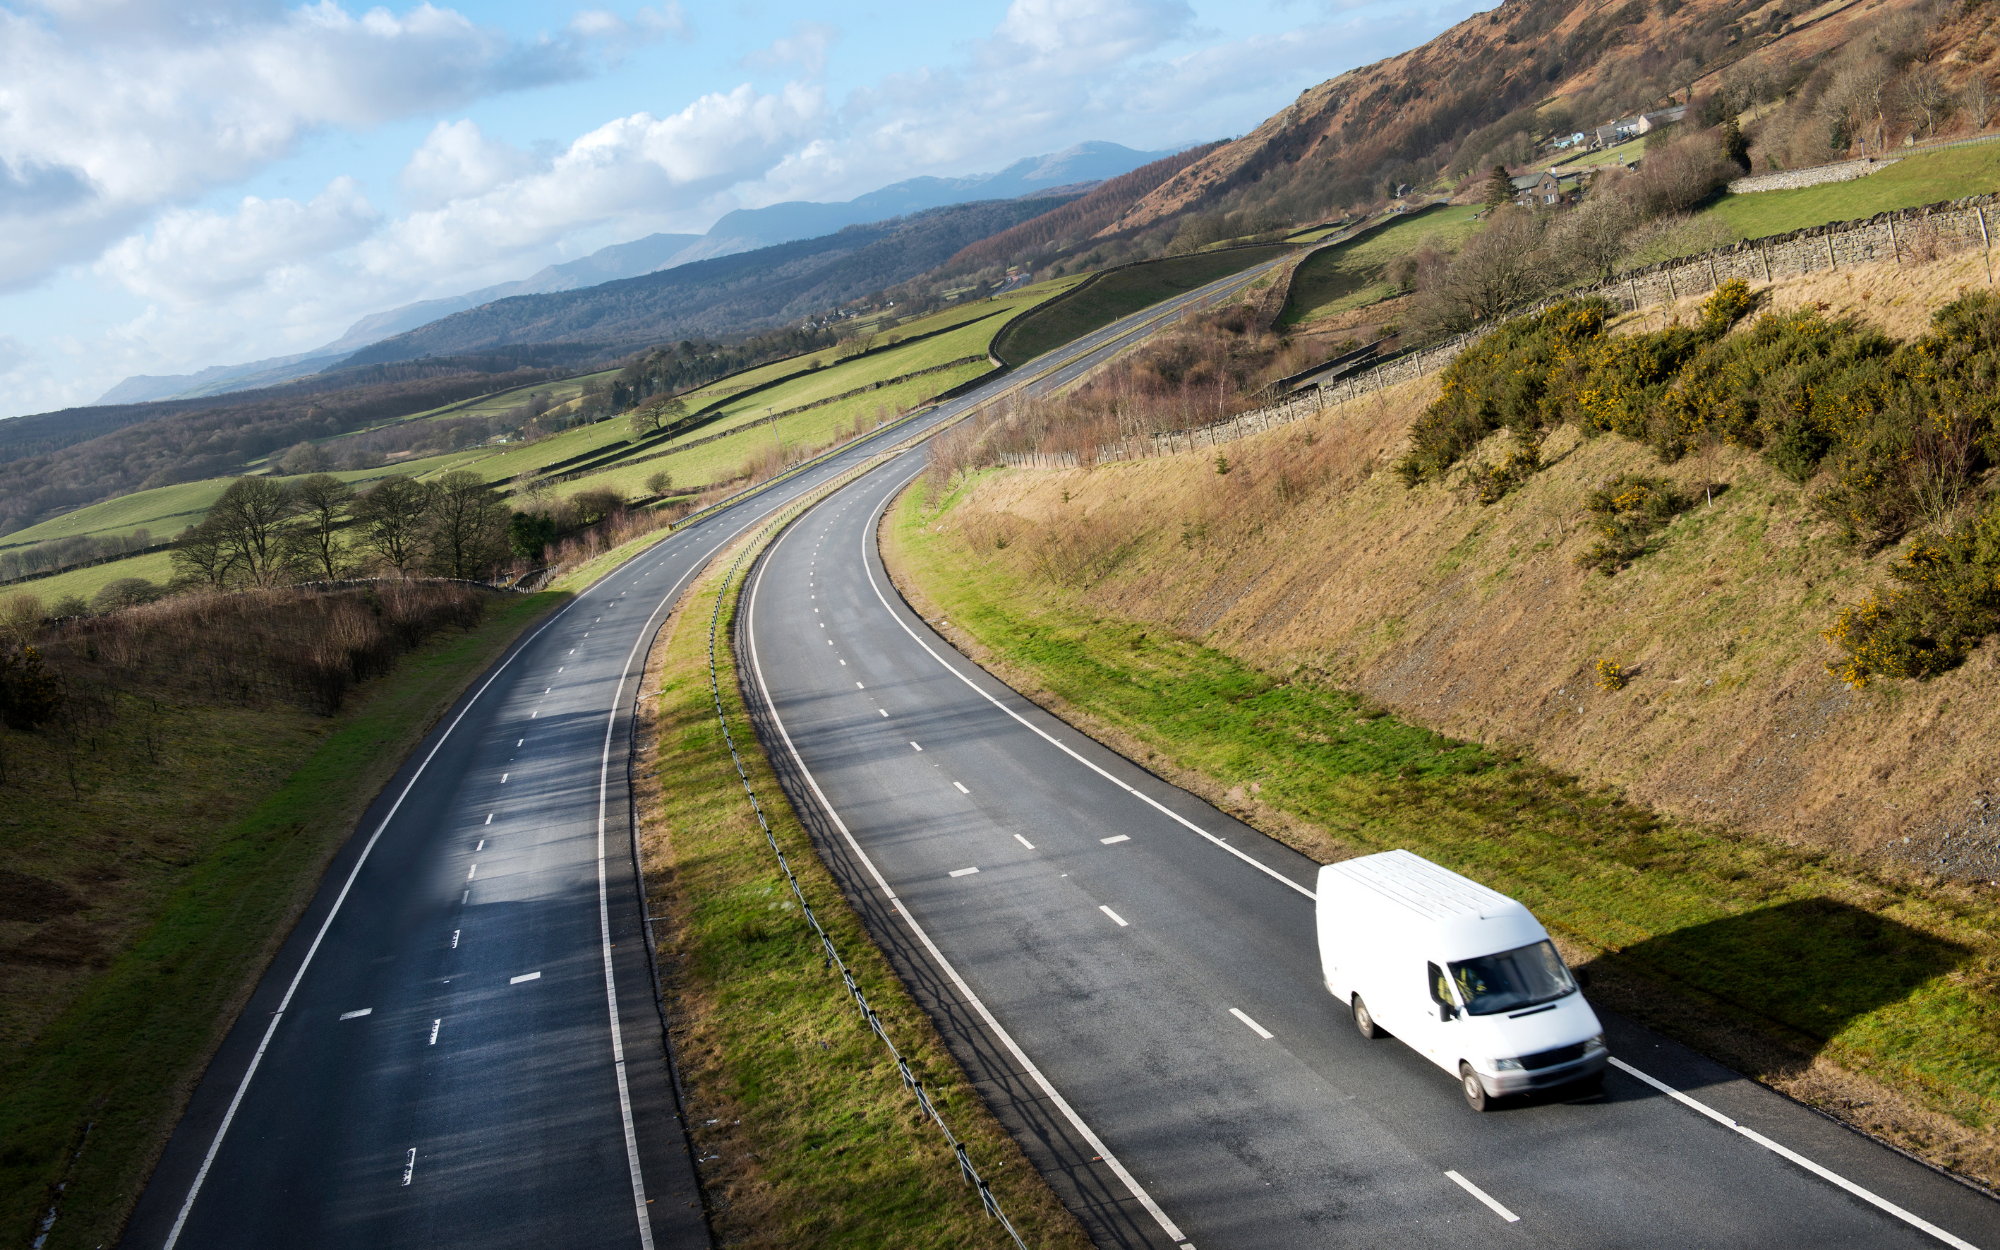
1267, 870
1255, 1027
243, 1086
1484, 1197
1914, 1221
1035, 1074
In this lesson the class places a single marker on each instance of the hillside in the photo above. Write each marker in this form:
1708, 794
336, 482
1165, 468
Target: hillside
731, 293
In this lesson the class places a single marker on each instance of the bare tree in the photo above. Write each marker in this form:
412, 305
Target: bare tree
657, 412
467, 531
1928, 95
1977, 101
1498, 271
201, 558
391, 518
250, 520
1590, 241
323, 501
1853, 97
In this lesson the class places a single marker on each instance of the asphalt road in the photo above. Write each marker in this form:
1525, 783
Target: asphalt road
458, 1045
1131, 978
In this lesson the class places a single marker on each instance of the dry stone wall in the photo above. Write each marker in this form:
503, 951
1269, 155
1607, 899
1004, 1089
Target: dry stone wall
1793, 179
1905, 235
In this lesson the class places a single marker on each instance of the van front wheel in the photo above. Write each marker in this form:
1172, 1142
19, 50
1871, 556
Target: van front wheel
1364, 1021
1475, 1093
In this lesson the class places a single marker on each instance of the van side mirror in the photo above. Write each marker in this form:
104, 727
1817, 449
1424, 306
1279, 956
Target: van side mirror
1581, 976
1447, 1012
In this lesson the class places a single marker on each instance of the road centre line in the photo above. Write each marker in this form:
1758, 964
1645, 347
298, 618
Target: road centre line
873, 521
409, 1165
356, 1015
978, 1005
435, 1025
526, 976
915, 745
1115, 839
1826, 1174
1024, 842
257, 1058
961, 787
1122, 922
1255, 1027
960, 872
1484, 1197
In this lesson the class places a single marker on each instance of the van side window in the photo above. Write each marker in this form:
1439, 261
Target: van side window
1440, 987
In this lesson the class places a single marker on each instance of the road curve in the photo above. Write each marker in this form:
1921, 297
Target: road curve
1131, 979
458, 1044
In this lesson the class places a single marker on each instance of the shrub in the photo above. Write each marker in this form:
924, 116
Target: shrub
1628, 511
125, 592
1948, 602
1611, 675
29, 693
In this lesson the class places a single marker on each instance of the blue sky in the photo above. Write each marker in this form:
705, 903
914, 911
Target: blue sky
188, 184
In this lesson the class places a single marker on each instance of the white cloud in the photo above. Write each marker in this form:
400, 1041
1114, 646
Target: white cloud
110, 110
458, 160
1074, 35
806, 47
196, 257
635, 164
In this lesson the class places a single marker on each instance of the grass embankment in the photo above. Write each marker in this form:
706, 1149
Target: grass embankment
1350, 275
1864, 989
809, 1135
193, 840
1926, 178
1120, 293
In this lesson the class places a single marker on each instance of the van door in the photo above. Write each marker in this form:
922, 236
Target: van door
1433, 1033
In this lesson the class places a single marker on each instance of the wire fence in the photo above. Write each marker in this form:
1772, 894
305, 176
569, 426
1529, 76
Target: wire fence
831, 954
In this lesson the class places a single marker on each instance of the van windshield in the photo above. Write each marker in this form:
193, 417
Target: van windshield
1512, 979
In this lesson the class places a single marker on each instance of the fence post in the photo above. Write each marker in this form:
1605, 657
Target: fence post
1986, 241
1832, 261
1895, 244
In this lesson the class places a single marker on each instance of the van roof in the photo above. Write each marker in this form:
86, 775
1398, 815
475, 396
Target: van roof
1429, 889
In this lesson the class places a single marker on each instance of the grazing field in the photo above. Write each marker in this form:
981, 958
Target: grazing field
1926, 178
1119, 293
154, 863
1349, 275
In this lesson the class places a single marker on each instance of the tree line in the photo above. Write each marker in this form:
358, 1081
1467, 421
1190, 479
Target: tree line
268, 532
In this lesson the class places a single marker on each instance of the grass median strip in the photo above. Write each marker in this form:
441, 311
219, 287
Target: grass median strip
89, 1098
1872, 997
805, 1133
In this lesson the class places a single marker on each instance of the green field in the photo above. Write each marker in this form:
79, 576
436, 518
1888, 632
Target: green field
1349, 275
1119, 293
1915, 180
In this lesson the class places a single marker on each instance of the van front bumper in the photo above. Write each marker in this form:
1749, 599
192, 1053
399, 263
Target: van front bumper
1501, 1084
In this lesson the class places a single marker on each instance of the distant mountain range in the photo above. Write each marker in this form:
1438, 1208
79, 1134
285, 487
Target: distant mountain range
746, 229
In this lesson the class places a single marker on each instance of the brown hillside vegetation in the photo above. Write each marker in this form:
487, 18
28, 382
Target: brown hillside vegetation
1483, 91
1079, 219
1479, 622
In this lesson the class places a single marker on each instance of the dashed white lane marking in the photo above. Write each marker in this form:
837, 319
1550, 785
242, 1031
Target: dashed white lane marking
859, 686
883, 710
961, 787
454, 938
1914, 1221
1024, 842
356, 1015
480, 847
503, 778
1484, 1197
526, 976
1115, 839
1255, 1027
917, 747
518, 745
962, 872
1122, 922
489, 818
409, 1165
470, 871
435, 1025
843, 663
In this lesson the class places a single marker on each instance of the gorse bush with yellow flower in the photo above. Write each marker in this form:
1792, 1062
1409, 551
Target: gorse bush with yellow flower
1895, 440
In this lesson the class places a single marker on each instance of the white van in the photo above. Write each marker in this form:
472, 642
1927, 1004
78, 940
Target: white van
1465, 976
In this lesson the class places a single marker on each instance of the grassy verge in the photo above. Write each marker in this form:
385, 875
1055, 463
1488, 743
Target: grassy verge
809, 1137
1871, 997
1120, 293
1348, 275
1914, 180
250, 807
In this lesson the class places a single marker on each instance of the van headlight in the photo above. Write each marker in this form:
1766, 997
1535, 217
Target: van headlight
1507, 1065
1595, 1043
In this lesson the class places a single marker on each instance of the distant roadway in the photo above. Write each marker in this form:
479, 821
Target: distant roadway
458, 1045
